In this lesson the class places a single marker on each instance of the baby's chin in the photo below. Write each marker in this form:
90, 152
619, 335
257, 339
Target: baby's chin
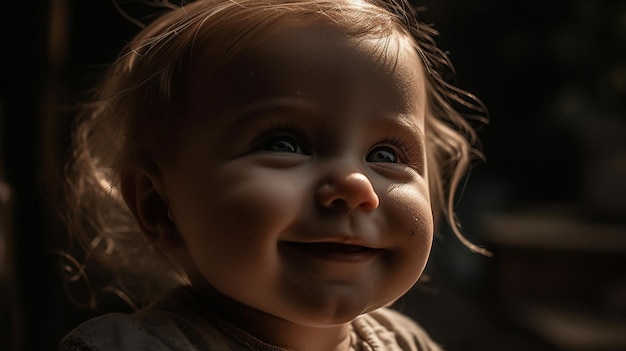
330, 316
333, 306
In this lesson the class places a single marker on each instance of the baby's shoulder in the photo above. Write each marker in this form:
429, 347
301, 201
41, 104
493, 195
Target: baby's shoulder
113, 331
150, 329
178, 321
385, 327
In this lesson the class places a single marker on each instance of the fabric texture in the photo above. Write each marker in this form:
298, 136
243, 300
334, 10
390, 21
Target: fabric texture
180, 321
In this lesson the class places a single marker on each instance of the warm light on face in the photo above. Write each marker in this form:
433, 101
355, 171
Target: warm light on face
300, 188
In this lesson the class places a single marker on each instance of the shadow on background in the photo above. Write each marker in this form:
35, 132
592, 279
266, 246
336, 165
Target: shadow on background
550, 201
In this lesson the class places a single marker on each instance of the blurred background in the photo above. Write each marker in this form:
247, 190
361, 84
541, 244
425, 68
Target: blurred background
549, 202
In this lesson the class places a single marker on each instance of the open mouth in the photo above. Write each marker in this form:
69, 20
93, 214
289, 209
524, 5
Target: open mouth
336, 251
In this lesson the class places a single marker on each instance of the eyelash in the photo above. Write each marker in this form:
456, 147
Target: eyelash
286, 129
402, 145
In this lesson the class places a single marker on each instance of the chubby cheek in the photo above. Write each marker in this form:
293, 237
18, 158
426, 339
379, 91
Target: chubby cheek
410, 220
233, 226
250, 204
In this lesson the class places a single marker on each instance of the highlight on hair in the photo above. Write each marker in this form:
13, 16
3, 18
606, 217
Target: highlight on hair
134, 108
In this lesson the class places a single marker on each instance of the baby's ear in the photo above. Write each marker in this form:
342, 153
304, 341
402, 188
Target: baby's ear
143, 193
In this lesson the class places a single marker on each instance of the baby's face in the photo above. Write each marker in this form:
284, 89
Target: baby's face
300, 186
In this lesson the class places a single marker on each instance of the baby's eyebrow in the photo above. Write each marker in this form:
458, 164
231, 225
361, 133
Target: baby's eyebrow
243, 116
406, 122
268, 104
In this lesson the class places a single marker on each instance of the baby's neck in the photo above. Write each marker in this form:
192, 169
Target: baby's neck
274, 330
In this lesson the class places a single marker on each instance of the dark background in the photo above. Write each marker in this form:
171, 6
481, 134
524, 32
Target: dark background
550, 201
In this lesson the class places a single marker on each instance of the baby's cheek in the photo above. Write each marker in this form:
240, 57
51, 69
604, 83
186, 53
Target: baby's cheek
260, 203
241, 225
409, 210
410, 220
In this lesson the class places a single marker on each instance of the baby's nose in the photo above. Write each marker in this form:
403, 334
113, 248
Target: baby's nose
347, 192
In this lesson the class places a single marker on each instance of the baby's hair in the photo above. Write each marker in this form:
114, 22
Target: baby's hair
130, 115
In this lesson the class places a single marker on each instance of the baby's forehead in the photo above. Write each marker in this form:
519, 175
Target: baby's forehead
306, 46
385, 46
310, 63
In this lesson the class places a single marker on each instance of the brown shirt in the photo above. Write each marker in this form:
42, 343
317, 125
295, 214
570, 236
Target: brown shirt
174, 323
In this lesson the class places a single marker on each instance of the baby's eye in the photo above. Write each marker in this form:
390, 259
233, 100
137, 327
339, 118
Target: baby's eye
382, 154
283, 143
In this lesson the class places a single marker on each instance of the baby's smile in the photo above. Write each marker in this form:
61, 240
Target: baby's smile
336, 251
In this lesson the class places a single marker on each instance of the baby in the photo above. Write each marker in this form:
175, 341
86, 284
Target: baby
278, 167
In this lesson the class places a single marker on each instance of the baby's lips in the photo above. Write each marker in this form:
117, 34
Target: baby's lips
335, 251
336, 246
